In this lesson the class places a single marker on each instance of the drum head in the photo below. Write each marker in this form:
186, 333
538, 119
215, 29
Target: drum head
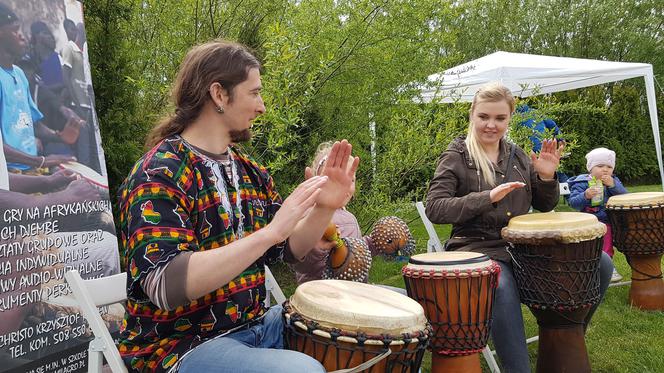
449, 261
564, 227
630, 200
87, 173
358, 307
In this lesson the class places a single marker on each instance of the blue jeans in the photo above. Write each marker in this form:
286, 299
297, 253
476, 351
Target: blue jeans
507, 330
257, 349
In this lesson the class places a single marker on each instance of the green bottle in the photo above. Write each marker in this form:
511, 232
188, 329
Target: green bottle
597, 185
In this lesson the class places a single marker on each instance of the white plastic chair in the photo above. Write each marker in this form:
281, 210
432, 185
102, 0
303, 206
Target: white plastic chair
433, 244
90, 294
272, 289
564, 191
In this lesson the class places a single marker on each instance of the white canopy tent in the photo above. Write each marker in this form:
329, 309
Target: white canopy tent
528, 75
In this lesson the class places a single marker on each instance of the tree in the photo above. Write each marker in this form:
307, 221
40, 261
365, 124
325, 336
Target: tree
332, 67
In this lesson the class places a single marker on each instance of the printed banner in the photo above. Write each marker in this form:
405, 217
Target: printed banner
55, 213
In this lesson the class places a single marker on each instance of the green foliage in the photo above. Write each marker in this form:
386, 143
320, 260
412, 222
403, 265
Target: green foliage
331, 68
115, 90
289, 84
614, 30
614, 116
545, 107
620, 123
411, 141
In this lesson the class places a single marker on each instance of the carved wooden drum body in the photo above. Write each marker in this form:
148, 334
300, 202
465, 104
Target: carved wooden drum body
456, 290
637, 220
343, 324
556, 259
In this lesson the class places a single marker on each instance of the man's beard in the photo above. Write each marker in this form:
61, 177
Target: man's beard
240, 136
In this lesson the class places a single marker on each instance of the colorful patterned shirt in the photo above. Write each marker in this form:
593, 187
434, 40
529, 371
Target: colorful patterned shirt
173, 201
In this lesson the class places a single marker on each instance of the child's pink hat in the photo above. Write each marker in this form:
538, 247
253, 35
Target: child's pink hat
600, 156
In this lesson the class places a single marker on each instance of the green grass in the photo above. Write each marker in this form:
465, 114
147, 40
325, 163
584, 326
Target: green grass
620, 338
644, 188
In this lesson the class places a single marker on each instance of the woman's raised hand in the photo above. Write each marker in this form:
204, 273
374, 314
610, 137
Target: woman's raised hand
546, 163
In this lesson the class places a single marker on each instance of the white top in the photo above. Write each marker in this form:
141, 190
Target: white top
358, 307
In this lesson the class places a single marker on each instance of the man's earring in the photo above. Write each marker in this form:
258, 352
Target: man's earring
220, 109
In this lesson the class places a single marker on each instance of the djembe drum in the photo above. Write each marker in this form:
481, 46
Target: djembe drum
391, 236
343, 324
349, 260
637, 220
556, 267
456, 290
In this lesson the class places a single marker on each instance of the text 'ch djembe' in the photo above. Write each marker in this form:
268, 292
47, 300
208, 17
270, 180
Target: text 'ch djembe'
637, 220
343, 324
456, 290
556, 267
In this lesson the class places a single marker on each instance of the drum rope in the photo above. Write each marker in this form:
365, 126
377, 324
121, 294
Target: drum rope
460, 328
647, 276
403, 357
638, 231
507, 248
559, 279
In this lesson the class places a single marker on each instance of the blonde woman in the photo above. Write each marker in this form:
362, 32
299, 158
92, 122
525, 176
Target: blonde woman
481, 182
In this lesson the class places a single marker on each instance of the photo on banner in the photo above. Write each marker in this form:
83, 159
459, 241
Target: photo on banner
55, 212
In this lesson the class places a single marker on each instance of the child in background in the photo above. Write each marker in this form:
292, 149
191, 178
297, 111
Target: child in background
589, 192
313, 265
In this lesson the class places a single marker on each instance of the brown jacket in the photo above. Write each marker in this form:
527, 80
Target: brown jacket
459, 196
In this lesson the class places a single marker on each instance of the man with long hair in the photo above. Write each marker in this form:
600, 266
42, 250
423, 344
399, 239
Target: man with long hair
200, 219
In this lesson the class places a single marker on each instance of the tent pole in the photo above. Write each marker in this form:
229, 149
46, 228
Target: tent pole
372, 132
652, 108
